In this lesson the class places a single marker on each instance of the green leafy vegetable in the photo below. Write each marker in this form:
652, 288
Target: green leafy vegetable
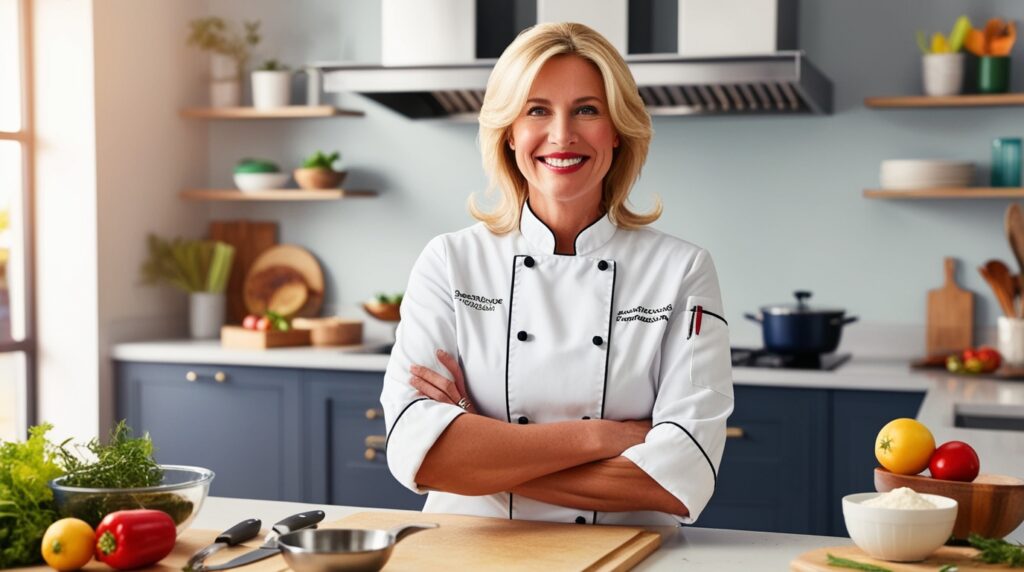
26, 501
386, 299
190, 265
847, 563
126, 462
997, 551
319, 160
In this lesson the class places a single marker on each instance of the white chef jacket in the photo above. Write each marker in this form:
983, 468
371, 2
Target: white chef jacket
631, 327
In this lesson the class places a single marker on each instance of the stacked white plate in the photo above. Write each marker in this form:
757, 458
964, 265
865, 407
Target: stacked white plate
925, 174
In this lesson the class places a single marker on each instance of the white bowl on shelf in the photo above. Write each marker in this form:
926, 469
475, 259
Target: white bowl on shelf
256, 182
925, 173
899, 535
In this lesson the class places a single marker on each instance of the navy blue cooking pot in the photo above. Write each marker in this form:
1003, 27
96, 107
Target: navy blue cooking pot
800, 329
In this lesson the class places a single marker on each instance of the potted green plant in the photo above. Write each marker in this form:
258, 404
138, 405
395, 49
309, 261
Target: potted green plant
199, 267
942, 65
271, 85
317, 172
229, 52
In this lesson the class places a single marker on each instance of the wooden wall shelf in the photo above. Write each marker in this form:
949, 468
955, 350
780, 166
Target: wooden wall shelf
290, 112
273, 195
951, 193
967, 100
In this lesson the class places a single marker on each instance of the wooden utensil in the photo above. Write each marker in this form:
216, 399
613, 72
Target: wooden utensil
962, 557
250, 239
950, 320
991, 505
303, 262
237, 337
1014, 224
998, 276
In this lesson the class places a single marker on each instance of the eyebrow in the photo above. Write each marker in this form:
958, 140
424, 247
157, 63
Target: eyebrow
577, 100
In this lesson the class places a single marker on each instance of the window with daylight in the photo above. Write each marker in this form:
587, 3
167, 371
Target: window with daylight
17, 337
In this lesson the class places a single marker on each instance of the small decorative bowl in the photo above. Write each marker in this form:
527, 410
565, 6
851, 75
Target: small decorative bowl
898, 535
180, 495
312, 178
255, 182
384, 312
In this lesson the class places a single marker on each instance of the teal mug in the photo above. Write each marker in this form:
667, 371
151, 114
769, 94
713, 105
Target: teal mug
994, 74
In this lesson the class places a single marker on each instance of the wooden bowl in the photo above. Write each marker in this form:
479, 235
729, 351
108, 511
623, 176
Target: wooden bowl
991, 505
319, 178
331, 331
385, 312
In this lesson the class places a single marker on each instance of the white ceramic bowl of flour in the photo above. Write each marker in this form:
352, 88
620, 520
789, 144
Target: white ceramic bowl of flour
897, 532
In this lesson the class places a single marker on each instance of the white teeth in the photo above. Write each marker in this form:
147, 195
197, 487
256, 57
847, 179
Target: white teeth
562, 163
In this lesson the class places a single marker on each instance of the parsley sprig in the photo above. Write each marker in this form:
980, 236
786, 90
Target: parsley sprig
126, 462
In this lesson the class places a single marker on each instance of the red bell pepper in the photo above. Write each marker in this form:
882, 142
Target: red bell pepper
134, 538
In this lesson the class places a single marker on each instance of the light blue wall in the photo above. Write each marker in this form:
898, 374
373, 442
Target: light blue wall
777, 200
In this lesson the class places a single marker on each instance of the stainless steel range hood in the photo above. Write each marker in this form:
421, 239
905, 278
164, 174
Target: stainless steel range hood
781, 83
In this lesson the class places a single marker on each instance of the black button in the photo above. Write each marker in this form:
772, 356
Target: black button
528, 261
598, 340
602, 265
585, 417
523, 420
521, 336
580, 520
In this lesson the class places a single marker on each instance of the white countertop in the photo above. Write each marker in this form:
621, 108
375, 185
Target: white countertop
688, 548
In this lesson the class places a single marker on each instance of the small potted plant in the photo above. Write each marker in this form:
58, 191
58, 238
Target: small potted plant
229, 51
942, 67
271, 85
993, 46
317, 172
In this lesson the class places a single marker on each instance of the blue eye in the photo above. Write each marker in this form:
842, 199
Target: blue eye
587, 110
535, 111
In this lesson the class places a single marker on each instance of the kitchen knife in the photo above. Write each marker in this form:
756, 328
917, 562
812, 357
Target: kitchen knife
235, 535
269, 547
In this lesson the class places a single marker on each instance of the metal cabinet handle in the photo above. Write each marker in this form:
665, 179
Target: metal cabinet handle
219, 377
191, 376
374, 444
374, 413
735, 433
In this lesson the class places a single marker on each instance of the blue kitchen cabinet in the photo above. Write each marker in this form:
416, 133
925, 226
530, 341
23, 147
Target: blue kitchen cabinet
857, 417
240, 422
771, 477
345, 445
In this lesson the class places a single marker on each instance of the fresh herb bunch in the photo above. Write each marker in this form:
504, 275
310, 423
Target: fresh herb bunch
393, 299
319, 160
273, 65
847, 563
126, 463
189, 265
213, 35
997, 551
26, 501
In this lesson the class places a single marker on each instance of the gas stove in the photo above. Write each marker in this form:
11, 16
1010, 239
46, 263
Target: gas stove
749, 357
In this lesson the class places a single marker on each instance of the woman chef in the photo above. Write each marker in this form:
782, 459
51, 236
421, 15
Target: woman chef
595, 376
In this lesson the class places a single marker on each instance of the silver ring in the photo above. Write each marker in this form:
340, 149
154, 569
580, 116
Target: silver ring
464, 404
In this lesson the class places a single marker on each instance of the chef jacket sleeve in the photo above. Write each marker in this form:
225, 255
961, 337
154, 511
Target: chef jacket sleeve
684, 447
413, 421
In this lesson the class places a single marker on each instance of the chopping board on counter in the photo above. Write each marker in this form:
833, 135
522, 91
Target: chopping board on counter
962, 557
950, 326
250, 239
461, 542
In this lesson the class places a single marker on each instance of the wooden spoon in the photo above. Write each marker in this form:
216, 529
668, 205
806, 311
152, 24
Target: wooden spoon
1014, 224
1003, 295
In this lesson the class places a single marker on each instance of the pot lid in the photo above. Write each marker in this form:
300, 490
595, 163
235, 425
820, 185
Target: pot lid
801, 307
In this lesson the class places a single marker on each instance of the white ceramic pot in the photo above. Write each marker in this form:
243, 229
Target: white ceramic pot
206, 311
942, 74
271, 89
1010, 340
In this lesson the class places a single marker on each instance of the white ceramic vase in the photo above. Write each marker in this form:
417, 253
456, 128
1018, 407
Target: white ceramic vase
1010, 340
942, 74
271, 89
206, 311
225, 81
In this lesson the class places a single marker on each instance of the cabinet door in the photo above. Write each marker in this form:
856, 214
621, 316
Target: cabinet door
342, 411
245, 427
857, 418
773, 477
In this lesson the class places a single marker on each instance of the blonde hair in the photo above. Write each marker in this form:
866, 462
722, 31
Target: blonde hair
507, 90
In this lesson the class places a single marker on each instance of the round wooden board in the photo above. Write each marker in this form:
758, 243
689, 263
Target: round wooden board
962, 557
299, 259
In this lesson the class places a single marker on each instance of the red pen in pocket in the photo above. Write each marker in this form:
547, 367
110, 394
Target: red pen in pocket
700, 314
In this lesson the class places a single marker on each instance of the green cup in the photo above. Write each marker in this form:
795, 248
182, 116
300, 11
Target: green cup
994, 74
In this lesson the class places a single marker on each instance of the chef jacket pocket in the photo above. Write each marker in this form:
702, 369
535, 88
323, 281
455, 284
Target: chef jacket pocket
707, 334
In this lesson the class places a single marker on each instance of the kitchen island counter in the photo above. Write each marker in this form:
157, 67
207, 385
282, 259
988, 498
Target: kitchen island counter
687, 548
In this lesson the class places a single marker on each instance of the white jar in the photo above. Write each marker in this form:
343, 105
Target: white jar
271, 88
1010, 340
942, 74
206, 314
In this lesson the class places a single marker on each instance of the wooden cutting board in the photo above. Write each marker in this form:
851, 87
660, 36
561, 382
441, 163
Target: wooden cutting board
462, 543
962, 557
250, 239
950, 322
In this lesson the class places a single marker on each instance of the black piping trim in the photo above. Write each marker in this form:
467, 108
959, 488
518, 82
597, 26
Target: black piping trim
508, 347
697, 443
576, 250
693, 311
554, 237
717, 316
404, 409
608, 347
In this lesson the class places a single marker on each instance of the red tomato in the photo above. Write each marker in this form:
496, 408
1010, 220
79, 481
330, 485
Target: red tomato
249, 322
263, 324
955, 461
969, 353
990, 358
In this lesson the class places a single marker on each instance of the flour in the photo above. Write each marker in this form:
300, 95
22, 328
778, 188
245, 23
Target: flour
902, 498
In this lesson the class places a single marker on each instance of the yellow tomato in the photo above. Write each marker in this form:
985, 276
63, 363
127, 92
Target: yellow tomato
904, 446
68, 544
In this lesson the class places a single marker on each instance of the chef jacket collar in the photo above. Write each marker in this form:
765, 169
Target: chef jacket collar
542, 238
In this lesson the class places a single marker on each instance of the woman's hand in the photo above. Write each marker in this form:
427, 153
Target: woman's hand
440, 388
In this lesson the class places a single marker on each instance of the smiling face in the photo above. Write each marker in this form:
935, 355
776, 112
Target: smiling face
564, 138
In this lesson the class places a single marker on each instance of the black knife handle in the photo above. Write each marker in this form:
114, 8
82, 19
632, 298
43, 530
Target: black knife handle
298, 521
240, 532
